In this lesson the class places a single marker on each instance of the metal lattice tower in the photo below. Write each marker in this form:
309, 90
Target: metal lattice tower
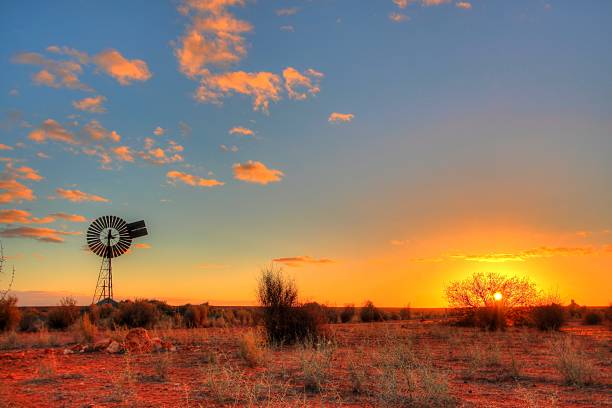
110, 237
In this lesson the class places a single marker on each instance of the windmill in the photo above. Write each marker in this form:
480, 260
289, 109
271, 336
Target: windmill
109, 237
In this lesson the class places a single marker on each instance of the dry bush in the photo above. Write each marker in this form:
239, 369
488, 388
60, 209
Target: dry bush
357, 376
9, 314
592, 318
32, 321
86, 330
140, 313
347, 313
370, 313
196, 315
548, 317
572, 363
405, 313
250, 350
284, 320
316, 360
63, 316
161, 367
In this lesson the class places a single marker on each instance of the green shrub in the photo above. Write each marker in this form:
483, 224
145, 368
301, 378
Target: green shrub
370, 313
9, 314
548, 317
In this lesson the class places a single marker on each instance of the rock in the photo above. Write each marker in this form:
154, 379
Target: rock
114, 348
68, 351
138, 341
102, 344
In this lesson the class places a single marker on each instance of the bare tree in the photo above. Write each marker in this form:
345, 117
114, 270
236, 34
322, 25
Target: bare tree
480, 289
4, 292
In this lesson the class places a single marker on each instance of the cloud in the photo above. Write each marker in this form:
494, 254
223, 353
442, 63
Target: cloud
69, 217
14, 92
16, 216
27, 173
287, 11
336, 117
82, 57
192, 180
262, 87
288, 28
13, 191
232, 148
297, 261
39, 234
92, 104
213, 38
428, 3
397, 17
401, 3
78, 196
141, 245
159, 156
399, 242
541, 252
299, 85
5, 147
241, 131
56, 74
51, 130
463, 5
256, 172
95, 132
122, 69
184, 128
123, 153
159, 131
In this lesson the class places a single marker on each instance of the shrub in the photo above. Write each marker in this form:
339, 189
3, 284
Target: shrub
87, 329
63, 316
548, 317
9, 314
196, 315
284, 320
139, 313
347, 313
592, 318
405, 313
249, 349
370, 313
573, 365
31, 321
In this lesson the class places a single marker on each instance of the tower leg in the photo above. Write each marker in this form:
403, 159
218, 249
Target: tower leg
104, 286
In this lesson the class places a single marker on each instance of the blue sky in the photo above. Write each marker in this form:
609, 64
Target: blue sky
480, 130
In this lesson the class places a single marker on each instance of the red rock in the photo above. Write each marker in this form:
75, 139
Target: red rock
138, 341
114, 348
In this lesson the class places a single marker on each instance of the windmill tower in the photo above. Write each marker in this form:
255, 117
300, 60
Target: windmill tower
109, 237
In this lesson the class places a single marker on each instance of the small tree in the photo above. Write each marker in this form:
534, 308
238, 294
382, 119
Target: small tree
9, 314
64, 315
347, 313
4, 292
405, 313
490, 298
370, 313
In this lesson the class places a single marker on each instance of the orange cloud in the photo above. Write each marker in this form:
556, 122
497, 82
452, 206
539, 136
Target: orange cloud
336, 117
39, 234
159, 156
77, 196
69, 217
51, 130
299, 85
82, 57
401, 3
159, 131
27, 173
397, 17
262, 87
256, 172
192, 180
122, 69
141, 245
241, 131
541, 252
123, 153
56, 74
297, 261
22, 217
13, 191
97, 133
5, 147
463, 5
93, 104
435, 2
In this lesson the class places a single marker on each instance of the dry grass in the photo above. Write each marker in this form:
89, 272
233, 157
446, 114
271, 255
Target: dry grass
250, 348
573, 364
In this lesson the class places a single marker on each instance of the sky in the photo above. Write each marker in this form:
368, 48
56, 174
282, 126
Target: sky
373, 150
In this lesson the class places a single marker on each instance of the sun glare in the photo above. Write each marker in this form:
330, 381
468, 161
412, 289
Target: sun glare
497, 296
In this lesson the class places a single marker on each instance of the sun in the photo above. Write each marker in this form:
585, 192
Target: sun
497, 296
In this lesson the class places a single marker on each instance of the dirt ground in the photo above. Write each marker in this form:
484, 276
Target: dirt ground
409, 363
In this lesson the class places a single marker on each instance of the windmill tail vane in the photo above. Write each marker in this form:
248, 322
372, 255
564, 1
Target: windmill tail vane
109, 237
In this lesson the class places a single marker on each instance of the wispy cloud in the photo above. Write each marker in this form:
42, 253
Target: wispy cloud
122, 69
289, 11
39, 234
299, 85
52, 130
401, 3
159, 131
5, 147
91, 104
11, 189
153, 154
69, 217
16, 216
463, 5
78, 196
296, 261
240, 130
256, 172
541, 252
336, 117
397, 17
192, 180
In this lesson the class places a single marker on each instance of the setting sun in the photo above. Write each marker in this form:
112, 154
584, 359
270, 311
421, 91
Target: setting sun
497, 296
